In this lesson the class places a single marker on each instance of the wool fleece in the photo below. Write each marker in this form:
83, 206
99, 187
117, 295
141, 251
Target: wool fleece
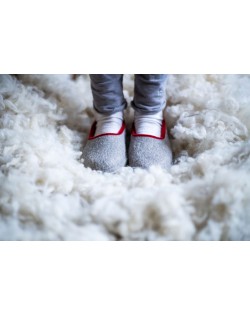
47, 194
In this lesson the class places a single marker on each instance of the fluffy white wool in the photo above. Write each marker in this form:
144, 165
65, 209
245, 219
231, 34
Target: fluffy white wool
47, 194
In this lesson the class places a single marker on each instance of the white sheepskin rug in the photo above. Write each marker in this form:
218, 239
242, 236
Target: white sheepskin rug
47, 194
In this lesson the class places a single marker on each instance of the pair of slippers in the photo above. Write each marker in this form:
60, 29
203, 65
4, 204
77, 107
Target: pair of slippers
107, 152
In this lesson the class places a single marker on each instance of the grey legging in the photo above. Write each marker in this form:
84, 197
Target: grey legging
149, 93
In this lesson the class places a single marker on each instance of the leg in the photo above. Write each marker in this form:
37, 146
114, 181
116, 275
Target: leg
149, 93
149, 102
108, 101
107, 93
105, 149
149, 143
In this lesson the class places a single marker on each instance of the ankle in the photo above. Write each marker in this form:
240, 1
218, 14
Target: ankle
108, 123
149, 124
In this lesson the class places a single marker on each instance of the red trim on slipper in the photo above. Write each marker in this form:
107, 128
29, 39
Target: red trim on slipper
93, 128
163, 132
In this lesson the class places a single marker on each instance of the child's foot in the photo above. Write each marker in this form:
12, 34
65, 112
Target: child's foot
105, 149
146, 150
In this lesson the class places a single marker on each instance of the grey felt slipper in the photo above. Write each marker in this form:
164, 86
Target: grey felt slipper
147, 150
106, 152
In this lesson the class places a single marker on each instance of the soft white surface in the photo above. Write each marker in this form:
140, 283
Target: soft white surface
47, 194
